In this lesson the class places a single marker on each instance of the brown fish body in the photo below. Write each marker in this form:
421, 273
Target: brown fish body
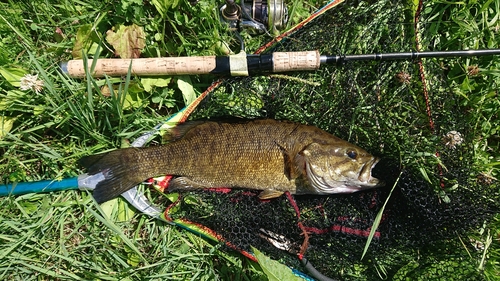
269, 155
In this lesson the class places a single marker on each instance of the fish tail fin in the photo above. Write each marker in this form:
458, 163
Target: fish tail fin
119, 170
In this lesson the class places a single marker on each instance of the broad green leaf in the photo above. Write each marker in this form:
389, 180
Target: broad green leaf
191, 200
86, 41
134, 97
275, 270
132, 100
185, 85
12, 96
162, 6
124, 212
149, 83
38, 109
172, 196
108, 207
222, 48
13, 75
128, 41
6, 124
165, 98
128, 3
133, 259
117, 210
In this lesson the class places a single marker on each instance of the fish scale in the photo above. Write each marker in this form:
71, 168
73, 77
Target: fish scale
268, 155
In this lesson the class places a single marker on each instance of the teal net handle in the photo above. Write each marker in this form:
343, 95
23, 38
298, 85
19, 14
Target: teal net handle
82, 182
39, 186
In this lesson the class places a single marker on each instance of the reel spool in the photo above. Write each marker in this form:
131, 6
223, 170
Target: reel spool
258, 17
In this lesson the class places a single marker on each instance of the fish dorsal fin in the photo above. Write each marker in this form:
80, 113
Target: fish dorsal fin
270, 194
180, 130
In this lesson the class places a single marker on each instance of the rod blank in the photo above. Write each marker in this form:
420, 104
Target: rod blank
408, 55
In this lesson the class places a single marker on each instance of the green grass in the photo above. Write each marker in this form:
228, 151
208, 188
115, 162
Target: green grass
65, 235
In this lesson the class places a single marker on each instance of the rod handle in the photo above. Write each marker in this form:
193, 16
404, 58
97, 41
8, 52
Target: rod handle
141, 66
235, 65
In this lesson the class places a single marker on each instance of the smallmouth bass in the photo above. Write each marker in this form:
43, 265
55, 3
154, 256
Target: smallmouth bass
265, 154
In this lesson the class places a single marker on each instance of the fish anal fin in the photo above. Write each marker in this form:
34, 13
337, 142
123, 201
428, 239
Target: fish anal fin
270, 194
183, 183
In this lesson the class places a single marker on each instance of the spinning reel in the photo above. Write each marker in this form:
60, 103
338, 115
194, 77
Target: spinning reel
259, 17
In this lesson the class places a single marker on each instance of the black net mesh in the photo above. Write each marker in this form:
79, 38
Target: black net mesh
382, 107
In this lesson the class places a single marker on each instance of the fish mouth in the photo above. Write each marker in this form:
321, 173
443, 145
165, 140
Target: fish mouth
327, 185
365, 175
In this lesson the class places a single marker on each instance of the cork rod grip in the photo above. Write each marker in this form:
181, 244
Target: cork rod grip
144, 67
294, 61
236, 65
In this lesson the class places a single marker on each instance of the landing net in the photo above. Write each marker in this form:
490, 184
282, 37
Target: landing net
417, 115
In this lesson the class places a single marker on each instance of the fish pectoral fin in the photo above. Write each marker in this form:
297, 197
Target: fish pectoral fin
270, 194
299, 163
183, 183
290, 169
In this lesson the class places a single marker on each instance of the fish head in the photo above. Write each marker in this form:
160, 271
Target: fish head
338, 168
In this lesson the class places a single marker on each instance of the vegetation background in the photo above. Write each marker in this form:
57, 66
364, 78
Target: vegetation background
45, 129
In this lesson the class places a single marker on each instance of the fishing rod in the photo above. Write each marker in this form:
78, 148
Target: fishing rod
242, 64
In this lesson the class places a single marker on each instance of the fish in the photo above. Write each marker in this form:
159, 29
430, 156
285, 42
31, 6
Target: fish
273, 156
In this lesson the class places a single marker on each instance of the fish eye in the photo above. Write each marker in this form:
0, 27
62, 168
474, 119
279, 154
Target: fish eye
352, 154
